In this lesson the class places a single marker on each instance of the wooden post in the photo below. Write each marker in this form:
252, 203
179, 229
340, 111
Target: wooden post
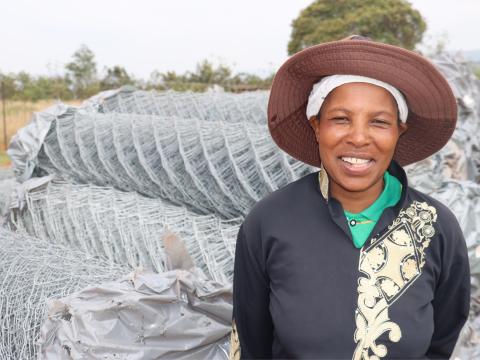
4, 114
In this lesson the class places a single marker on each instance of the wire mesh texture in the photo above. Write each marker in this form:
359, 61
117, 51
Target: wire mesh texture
209, 166
6, 188
125, 227
31, 271
250, 107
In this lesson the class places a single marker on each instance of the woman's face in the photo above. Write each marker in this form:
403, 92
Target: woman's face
357, 134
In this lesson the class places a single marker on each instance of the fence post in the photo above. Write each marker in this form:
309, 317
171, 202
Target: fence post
4, 114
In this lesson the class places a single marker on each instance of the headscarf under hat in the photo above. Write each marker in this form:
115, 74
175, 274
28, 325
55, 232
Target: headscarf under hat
328, 83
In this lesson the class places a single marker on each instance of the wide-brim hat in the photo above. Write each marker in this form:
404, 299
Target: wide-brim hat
432, 108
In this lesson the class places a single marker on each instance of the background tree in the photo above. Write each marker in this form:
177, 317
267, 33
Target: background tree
8, 85
206, 73
82, 72
391, 21
116, 77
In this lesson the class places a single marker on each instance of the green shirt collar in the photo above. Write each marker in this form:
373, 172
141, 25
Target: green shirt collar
388, 197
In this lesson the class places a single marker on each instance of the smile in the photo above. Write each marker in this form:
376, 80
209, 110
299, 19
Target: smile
355, 161
356, 166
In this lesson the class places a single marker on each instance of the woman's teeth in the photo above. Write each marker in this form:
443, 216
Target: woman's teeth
355, 161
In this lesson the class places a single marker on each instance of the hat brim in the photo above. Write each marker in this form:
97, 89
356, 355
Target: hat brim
431, 104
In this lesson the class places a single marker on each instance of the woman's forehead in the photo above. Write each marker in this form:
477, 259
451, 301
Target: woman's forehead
360, 95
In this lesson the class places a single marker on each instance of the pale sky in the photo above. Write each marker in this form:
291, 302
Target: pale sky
145, 35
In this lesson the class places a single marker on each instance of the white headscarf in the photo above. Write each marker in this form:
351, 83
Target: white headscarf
327, 84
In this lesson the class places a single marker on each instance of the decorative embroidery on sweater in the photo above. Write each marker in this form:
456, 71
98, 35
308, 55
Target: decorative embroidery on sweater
234, 343
390, 264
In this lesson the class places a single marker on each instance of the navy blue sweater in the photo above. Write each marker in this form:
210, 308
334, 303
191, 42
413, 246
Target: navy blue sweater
302, 290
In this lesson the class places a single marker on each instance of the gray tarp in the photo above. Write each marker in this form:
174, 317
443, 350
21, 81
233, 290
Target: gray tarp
26, 143
174, 315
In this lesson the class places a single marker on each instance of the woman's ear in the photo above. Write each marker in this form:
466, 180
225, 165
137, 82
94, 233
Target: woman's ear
314, 123
402, 128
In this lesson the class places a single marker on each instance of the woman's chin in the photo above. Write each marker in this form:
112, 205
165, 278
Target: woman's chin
359, 184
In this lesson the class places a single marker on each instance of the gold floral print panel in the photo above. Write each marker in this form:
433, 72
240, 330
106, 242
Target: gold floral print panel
234, 343
388, 267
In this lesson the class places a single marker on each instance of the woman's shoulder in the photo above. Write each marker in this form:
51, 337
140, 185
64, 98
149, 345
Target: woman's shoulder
285, 200
442, 210
445, 220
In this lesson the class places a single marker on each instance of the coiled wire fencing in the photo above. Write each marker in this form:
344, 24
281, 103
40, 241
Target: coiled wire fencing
125, 227
208, 166
33, 270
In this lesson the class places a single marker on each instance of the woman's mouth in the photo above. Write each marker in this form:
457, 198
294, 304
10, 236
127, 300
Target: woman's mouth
356, 165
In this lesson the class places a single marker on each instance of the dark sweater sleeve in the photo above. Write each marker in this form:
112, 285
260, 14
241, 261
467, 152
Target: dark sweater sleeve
251, 297
452, 295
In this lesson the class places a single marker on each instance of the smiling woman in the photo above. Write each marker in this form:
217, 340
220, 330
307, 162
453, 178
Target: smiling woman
351, 262
357, 132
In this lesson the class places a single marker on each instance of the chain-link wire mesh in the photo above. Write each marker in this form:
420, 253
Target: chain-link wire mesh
250, 107
33, 270
209, 166
6, 173
126, 228
6, 188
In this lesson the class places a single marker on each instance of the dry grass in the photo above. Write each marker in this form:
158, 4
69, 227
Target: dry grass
4, 159
18, 114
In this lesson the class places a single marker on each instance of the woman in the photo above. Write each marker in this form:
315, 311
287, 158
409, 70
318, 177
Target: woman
351, 262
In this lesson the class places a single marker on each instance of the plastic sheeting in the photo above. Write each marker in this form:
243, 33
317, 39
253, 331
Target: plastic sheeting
25, 144
463, 199
174, 315
460, 158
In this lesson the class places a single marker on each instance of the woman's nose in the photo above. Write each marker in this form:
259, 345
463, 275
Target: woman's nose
358, 134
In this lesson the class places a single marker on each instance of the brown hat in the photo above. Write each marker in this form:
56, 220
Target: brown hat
432, 108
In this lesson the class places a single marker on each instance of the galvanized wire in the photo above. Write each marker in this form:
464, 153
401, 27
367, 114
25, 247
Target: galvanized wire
208, 166
126, 228
249, 107
33, 270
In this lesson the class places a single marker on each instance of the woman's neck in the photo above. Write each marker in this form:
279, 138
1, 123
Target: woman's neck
356, 201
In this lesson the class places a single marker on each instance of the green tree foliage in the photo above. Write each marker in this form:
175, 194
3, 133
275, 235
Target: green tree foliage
205, 76
82, 72
7, 82
116, 77
206, 73
81, 80
391, 21
22, 86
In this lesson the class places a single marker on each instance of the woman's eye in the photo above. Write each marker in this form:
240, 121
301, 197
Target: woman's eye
340, 120
380, 122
